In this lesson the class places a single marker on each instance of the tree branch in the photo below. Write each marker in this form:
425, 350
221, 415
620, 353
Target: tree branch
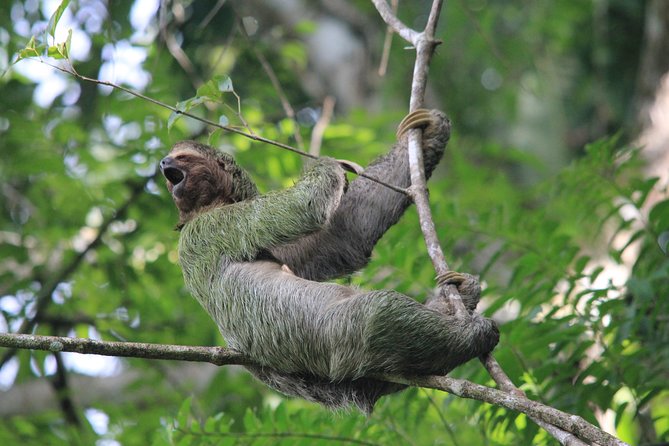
273, 78
224, 356
535, 410
214, 355
425, 43
396, 24
321, 125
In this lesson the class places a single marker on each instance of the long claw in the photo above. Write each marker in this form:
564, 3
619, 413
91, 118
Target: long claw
350, 166
416, 119
451, 278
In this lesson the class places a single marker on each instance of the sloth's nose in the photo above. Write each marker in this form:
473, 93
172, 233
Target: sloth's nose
166, 162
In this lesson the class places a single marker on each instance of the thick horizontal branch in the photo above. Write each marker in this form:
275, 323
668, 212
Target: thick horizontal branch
224, 356
213, 355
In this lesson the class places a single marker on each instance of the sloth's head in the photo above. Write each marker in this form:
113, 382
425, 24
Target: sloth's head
199, 177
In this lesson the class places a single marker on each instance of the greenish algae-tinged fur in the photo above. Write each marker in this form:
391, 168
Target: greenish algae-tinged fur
320, 341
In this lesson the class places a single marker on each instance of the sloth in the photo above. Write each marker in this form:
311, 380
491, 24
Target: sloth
258, 264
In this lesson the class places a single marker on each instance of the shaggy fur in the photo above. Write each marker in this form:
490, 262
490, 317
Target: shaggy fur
319, 341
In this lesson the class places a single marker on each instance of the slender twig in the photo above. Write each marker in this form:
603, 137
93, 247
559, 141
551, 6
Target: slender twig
224, 356
181, 57
71, 71
385, 55
321, 125
285, 103
212, 14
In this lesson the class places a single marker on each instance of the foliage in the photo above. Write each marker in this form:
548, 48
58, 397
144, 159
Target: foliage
575, 264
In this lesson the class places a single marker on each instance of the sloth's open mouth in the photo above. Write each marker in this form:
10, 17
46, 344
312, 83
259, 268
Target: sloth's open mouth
173, 175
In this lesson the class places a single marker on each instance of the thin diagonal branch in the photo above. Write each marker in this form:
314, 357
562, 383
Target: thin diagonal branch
285, 103
321, 125
71, 71
562, 422
385, 55
425, 44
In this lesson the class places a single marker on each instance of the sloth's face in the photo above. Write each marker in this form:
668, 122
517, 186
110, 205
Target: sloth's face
196, 177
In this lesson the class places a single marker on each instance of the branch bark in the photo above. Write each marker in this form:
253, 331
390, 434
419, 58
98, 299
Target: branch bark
224, 356
55, 344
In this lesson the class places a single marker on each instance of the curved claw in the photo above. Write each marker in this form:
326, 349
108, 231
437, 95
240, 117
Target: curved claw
350, 166
416, 119
451, 278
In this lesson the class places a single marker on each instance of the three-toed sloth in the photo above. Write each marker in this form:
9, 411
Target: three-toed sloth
320, 341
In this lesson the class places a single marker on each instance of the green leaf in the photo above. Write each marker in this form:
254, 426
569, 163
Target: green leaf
209, 88
174, 117
67, 44
184, 414
305, 27
644, 186
61, 50
659, 215
27, 53
250, 25
581, 263
56, 52
193, 102
31, 50
55, 17
663, 241
251, 421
